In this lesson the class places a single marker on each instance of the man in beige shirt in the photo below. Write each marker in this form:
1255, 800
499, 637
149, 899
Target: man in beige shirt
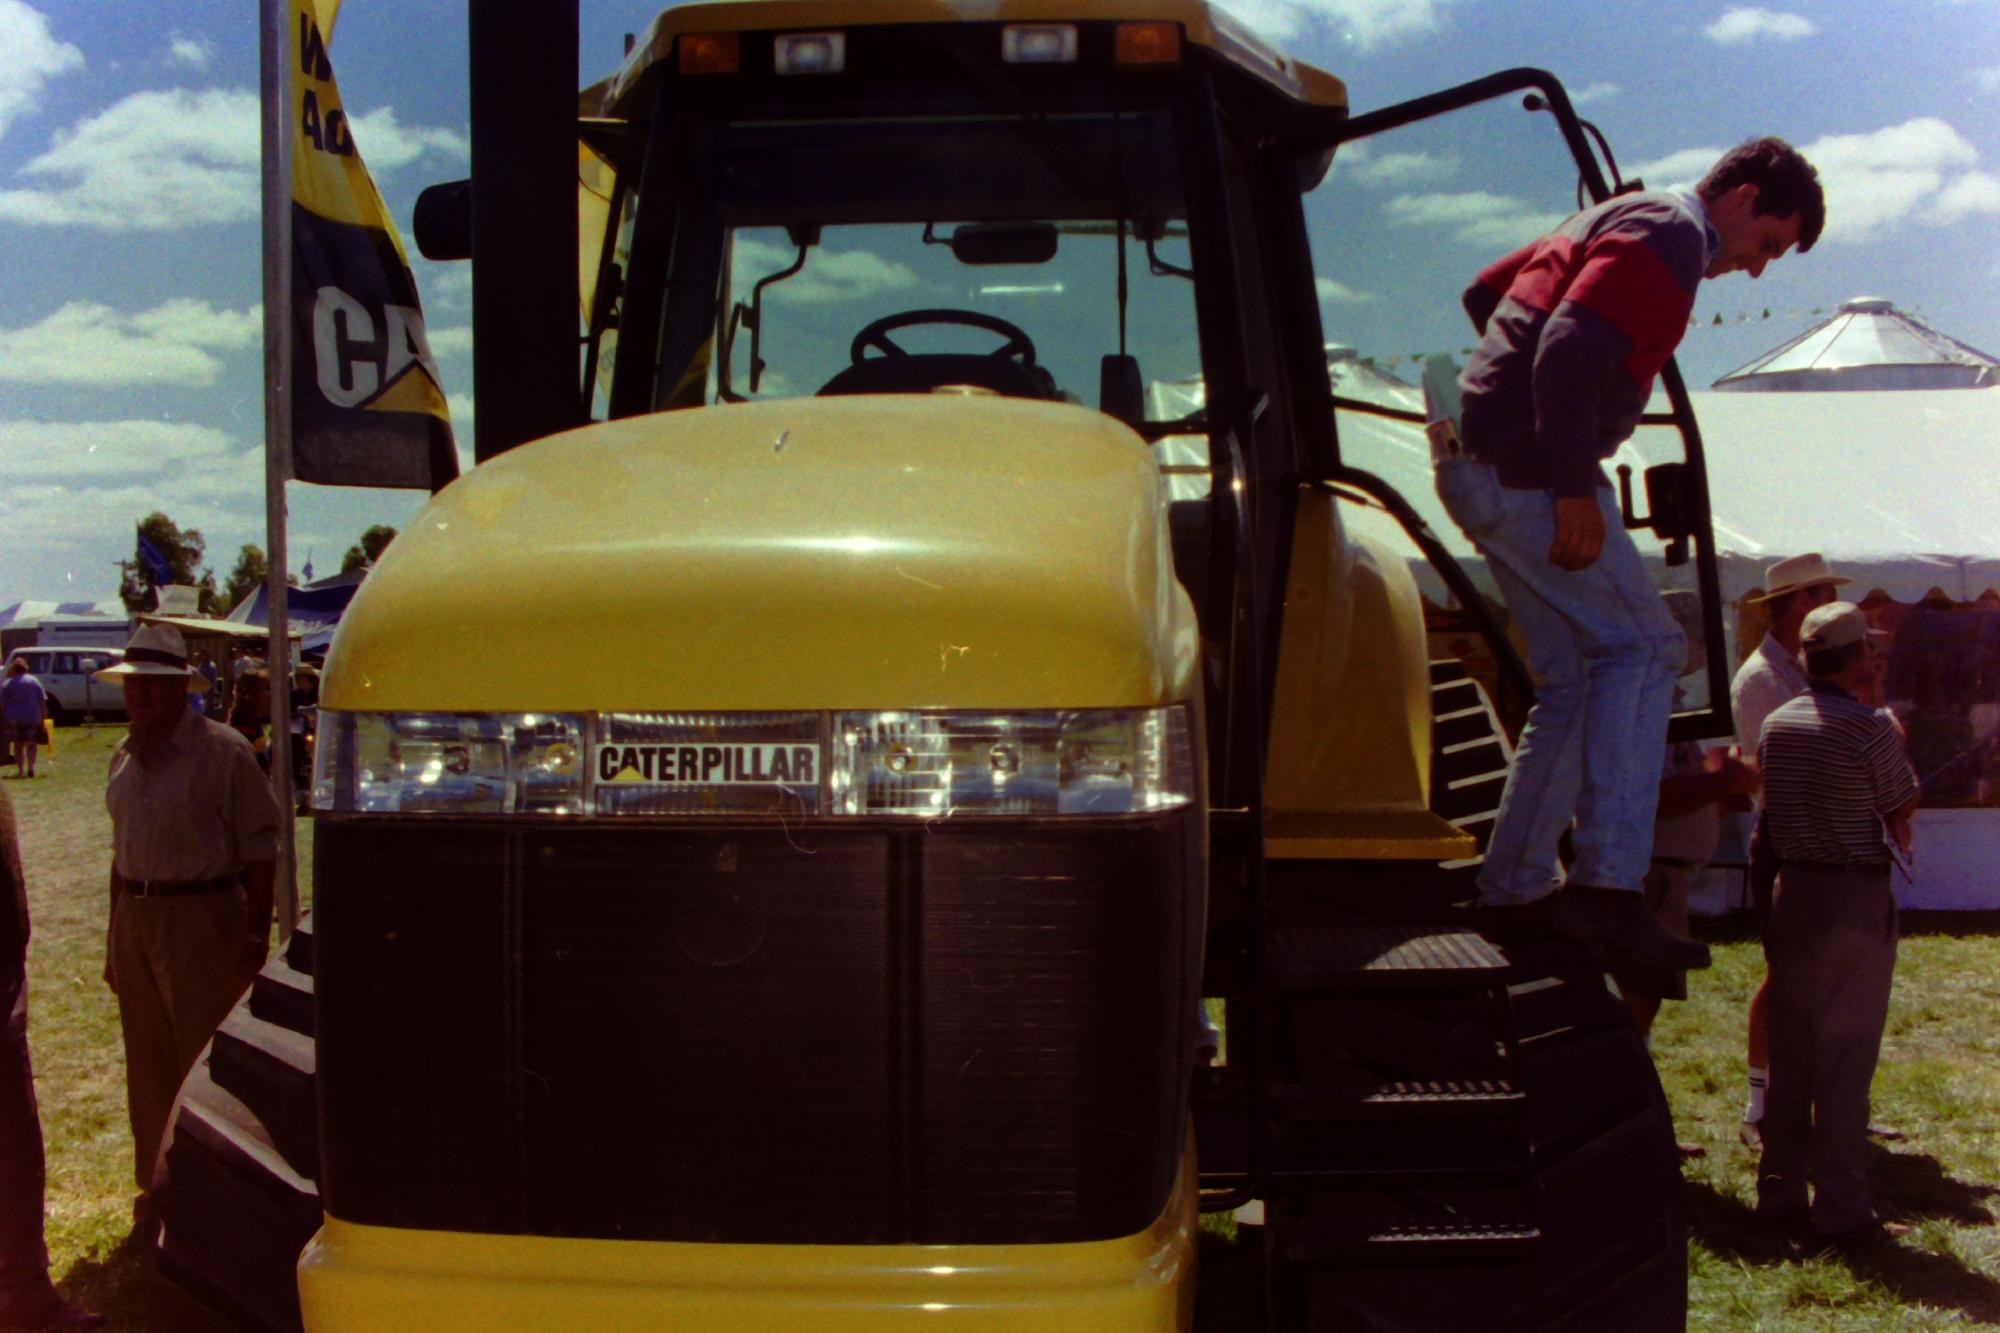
194, 833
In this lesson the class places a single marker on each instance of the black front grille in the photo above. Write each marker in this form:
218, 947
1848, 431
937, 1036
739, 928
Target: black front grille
828, 1033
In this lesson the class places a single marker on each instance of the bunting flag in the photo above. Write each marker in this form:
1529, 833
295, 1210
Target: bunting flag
155, 564
367, 408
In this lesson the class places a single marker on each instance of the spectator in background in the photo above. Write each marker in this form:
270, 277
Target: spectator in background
194, 833
1771, 676
209, 701
23, 705
250, 715
27, 1298
1835, 783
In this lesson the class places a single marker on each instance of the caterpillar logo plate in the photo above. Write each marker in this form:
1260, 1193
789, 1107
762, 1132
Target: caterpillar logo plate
742, 764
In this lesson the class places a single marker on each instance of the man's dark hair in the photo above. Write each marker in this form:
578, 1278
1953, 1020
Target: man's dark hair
1826, 662
1786, 184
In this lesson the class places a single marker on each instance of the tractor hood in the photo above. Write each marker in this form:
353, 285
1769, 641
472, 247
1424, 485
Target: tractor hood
867, 552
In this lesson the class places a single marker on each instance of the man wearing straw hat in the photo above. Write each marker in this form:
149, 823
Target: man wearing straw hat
194, 832
1770, 677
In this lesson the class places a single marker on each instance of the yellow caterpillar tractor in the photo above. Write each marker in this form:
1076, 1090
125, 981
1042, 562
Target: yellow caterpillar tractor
783, 817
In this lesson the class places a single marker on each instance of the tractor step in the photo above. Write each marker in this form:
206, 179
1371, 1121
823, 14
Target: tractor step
1308, 958
299, 948
234, 1214
1358, 1099
284, 996
270, 1070
1382, 1243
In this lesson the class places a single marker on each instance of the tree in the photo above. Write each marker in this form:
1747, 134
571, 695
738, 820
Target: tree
248, 576
181, 550
369, 549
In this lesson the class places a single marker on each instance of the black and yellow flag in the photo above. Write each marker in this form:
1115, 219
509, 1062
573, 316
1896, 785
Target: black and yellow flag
367, 408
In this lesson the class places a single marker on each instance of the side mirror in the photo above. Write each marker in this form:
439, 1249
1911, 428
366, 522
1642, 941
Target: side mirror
442, 221
1669, 506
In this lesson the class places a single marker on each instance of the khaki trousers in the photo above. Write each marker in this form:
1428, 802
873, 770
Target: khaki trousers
175, 960
1832, 949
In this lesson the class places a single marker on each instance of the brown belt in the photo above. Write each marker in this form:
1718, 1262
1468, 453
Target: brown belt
172, 888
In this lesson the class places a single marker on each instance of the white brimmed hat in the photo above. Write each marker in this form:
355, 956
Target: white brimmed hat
1836, 625
156, 650
1796, 572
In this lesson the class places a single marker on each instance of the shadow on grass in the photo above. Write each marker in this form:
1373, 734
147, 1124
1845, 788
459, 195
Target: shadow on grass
127, 1288
1914, 1187
1909, 1186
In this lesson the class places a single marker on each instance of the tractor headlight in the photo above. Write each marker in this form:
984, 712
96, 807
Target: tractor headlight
883, 763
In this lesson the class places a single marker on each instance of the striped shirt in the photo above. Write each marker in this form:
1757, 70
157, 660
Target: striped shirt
1833, 767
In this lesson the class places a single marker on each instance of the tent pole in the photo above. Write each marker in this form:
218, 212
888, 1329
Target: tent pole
275, 34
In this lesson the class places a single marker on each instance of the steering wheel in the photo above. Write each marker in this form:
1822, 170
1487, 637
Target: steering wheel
1018, 345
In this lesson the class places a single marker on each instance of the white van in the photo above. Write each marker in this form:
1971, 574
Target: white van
82, 632
66, 673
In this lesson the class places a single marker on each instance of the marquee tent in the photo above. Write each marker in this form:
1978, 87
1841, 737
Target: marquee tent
1867, 344
312, 611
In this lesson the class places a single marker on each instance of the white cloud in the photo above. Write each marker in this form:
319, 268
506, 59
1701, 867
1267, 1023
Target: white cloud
1477, 218
1974, 192
1986, 80
1922, 168
189, 53
1367, 24
150, 162
829, 275
1594, 92
1339, 293
52, 451
443, 285
452, 340
387, 144
1747, 25
1677, 170
83, 343
158, 161
1404, 169
30, 57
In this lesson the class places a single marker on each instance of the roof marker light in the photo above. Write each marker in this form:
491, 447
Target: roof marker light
811, 53
710, 53
1038, 43
1147, 44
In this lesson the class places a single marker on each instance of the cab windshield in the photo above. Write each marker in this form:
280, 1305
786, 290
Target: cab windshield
1018, 251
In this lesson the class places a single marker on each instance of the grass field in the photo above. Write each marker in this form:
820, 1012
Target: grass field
1939, 1083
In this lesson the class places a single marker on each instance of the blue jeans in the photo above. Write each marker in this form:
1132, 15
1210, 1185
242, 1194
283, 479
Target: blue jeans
1606, 650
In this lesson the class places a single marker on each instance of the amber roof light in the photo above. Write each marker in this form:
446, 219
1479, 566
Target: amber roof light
710, 53
1148, 44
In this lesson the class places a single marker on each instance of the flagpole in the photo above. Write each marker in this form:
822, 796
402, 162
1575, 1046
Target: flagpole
275, 44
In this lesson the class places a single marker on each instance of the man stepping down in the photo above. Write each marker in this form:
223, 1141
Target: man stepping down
1573, 329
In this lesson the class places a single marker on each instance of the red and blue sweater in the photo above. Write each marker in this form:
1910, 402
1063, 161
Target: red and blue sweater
1573, 329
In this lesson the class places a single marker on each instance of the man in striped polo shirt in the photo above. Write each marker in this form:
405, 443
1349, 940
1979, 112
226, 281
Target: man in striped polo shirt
1836, 787
1573, 329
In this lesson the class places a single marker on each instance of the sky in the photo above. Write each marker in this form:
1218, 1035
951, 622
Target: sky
130, 324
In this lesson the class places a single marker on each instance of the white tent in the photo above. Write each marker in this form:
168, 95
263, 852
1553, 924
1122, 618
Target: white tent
32, 612
1867, 344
